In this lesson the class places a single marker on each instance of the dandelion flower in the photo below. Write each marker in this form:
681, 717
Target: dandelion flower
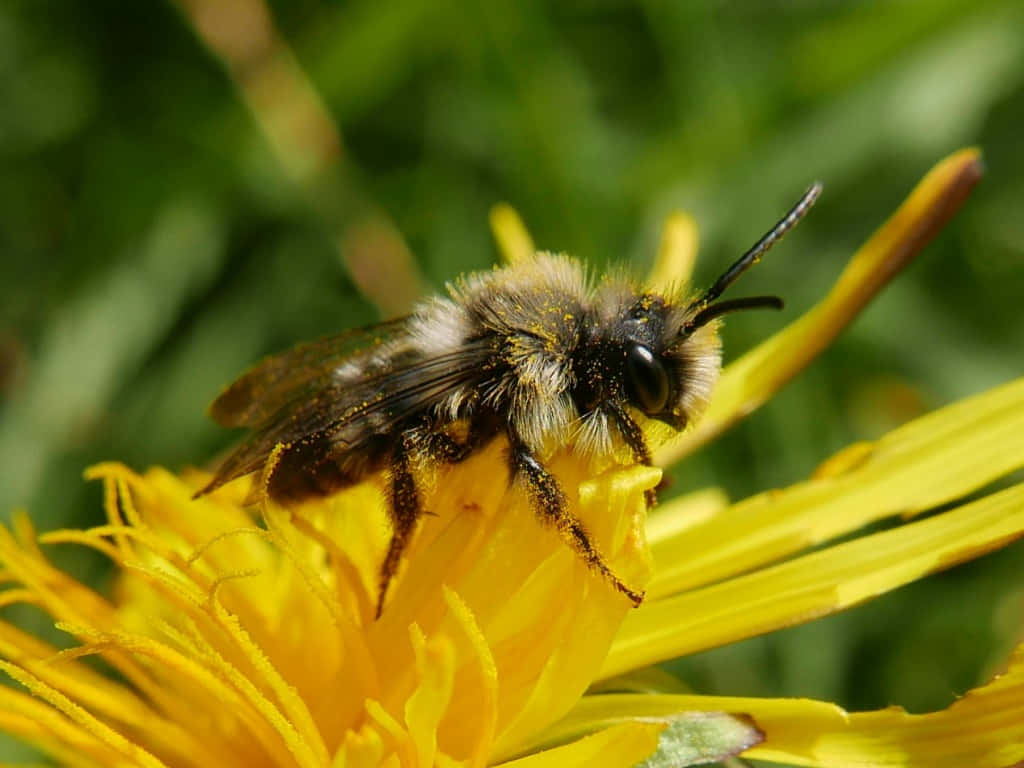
242, 636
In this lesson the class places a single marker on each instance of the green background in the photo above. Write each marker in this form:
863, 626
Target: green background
152, 245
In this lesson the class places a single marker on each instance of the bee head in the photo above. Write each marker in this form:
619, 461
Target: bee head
668, 369
672, 354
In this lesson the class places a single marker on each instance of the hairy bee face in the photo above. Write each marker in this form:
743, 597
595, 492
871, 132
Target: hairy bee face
639, 353
670, 369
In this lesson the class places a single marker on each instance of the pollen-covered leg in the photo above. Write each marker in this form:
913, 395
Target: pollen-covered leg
404, 509
634, 437
552, 508
444, 447
460, 440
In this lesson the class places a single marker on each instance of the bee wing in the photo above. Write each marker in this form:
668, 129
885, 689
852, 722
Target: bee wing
338, 418
265, 388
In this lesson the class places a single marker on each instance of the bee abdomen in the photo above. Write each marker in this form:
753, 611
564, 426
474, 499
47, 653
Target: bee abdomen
315, 467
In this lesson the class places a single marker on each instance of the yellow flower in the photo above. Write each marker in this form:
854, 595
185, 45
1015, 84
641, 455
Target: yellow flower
235, 638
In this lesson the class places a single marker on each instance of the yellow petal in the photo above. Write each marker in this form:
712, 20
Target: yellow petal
644, 680
390, 728
469, 724
689, 738
362, 748
289, 714
941, 456
110, 700
983, 729
513, 239
677, 255
814, 585
91, 725
50, 731
621, 745
435, 671
544, 672
670, 520
747, 383
183, 687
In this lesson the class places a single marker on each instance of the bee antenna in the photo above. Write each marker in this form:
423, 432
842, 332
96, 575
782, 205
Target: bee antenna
709, 313
758, 249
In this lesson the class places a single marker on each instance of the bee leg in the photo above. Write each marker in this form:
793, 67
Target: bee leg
551, 506
444, 448
404, 509
634, 437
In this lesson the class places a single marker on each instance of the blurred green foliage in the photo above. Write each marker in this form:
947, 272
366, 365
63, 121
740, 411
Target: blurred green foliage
151, 245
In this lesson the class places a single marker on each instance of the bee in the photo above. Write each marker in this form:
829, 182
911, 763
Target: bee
536, 353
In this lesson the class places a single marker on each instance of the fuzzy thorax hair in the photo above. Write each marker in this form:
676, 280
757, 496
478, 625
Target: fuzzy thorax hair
558, 345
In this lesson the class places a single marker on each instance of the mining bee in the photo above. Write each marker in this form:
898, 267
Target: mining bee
536, 353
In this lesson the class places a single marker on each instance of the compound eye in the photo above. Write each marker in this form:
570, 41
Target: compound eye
648, 380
